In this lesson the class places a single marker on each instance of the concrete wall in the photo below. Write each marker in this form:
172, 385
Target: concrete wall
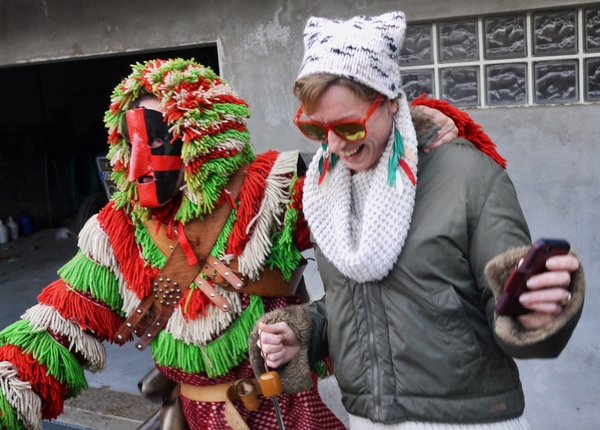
552, 151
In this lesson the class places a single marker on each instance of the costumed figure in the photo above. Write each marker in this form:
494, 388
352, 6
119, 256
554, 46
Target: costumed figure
202, 238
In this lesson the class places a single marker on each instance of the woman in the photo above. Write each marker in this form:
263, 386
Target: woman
408, 316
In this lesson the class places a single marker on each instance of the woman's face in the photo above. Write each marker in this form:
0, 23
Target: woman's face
338, 103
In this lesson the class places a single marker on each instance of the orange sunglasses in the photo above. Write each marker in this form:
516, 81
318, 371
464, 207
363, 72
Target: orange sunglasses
352, 130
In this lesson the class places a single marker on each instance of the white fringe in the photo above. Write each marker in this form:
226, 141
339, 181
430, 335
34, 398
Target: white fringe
202, 330
95, 244
20, 396
277, 194
44, 317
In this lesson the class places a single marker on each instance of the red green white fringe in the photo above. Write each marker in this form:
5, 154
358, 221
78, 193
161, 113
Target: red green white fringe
277, 193
203, 330
95, 244
44, 317
21, 398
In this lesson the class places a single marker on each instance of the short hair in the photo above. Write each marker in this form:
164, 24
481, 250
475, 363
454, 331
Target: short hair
308, 89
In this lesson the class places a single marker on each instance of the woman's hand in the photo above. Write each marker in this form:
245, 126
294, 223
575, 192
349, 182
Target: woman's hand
447, 132
548, 292
278, 343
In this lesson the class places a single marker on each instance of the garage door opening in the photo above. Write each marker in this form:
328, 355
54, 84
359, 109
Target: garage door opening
51, 121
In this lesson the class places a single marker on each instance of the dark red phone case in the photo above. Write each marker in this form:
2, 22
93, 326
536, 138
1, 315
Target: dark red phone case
533, 263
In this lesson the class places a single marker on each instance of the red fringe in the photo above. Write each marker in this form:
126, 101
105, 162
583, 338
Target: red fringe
250, 197
50, 390
467, 128
83, 310
195, 165
197, 304
121, 233
301, 233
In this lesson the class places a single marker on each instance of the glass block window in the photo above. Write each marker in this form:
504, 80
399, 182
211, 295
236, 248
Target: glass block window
520, 59
592, 88
416, 48
556, 81
417, 82
460, 85
592, 30
506, 84
505, 37
458, 41
554, 33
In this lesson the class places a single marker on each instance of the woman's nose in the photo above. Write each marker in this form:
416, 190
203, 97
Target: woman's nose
334, 142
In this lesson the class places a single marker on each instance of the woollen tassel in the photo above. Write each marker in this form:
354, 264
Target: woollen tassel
42, 382
218, 356
397, 153
195, 303
8, 416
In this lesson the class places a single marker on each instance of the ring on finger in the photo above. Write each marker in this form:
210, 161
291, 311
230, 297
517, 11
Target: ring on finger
567, 299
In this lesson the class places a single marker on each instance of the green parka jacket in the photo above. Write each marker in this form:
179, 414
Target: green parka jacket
422, 344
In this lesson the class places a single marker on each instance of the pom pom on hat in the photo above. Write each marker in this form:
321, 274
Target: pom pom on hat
363, 48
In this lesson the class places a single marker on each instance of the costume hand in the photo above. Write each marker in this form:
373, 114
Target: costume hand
278, 343
549, 292
447, 132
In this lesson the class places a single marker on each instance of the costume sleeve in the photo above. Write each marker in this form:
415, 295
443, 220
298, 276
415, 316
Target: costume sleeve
500, 227
43, 356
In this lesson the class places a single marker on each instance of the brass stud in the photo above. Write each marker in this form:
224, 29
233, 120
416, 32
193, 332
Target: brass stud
139, 346
156, 284
212, 294
119, 336
156, 296
168, 279
128, 324
158, 324
160, 290
226, 273
160, 279
225, 306
239, 285
175, 283
168, 304
171, 246
149, 335
139, 311
161, 302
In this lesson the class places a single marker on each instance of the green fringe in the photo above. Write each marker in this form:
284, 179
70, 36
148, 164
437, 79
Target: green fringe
216, 358
221, 243
87, 276
60, 362
150, 252
8, 416
284, 253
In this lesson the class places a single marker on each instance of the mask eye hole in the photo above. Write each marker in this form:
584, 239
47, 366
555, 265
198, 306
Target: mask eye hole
155, 143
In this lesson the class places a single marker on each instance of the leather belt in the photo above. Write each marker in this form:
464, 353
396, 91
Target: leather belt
244, 390
174, 279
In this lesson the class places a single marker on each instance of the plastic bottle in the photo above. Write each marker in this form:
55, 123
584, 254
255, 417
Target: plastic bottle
25, 224
3, 233
13, 228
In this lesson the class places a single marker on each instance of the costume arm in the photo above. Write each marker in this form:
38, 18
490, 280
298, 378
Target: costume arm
501, 237
43, 356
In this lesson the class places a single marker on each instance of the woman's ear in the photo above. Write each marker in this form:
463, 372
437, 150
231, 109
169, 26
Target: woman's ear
393, 106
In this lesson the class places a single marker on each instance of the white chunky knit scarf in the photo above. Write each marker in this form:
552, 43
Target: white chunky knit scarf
359, 221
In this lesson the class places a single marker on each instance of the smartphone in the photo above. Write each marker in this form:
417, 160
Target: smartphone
533, 263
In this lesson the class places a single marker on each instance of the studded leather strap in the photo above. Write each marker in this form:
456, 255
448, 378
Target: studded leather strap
177, 274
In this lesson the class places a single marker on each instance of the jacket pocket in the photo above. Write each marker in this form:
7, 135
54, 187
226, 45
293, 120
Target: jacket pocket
452, 320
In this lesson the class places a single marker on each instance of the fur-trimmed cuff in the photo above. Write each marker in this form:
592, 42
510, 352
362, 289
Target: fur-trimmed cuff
507, 327
295, 376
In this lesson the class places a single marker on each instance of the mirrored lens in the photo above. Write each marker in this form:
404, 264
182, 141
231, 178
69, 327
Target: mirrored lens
312, 131
353, 131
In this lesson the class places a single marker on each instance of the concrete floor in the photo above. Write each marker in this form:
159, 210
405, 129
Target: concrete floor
113, 401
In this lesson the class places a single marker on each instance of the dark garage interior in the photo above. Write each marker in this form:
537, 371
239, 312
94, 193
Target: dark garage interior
51, 123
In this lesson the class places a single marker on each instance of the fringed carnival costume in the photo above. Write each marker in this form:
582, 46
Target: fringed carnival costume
124, 248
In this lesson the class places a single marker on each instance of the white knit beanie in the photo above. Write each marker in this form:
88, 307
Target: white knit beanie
363, 48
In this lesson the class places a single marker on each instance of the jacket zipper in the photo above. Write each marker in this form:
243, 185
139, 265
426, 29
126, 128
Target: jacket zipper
372, 349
